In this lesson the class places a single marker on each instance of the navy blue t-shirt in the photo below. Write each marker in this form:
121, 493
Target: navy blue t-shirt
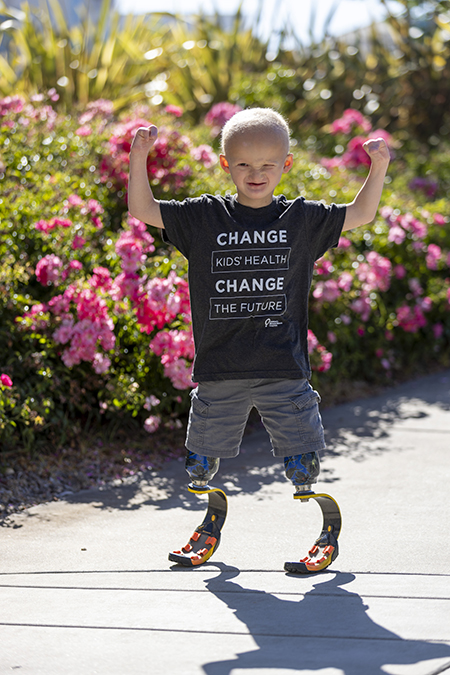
250, 273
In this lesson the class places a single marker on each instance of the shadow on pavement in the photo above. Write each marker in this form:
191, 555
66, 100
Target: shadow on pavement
327, 627
355, 430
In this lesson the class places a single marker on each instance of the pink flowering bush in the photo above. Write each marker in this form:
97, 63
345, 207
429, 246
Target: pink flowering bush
95, 323
86, 290
348, 129
166, 165
219, 115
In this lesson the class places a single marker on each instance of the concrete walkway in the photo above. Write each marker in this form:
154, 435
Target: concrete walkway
86, 587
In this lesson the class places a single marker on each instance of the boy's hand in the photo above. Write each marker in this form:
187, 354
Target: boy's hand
377, 150
144, 139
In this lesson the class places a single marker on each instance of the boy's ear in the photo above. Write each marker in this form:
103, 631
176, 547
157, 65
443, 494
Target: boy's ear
288, 163
224, 163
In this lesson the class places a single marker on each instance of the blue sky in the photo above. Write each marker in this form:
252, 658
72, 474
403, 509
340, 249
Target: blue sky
349, 15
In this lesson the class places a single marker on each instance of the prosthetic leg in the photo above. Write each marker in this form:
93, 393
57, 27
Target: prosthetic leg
206, 537
303, 470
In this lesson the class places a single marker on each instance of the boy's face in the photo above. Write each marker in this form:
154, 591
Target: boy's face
256, 161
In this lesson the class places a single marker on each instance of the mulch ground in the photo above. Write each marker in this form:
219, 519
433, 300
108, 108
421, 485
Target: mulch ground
27, 479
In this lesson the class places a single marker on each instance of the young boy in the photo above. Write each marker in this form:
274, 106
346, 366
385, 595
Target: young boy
251, 257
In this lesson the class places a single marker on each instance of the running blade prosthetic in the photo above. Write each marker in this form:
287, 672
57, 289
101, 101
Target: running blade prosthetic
206, 537
325, 549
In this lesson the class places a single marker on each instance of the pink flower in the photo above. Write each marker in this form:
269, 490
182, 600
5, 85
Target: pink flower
14, 104
73, 265
78, 242
84, 131
355, 155
173, 344
101, 107
129, 286
161, 301
399, 271
411, 224
174, 110
151, 402
152, 423
362, 307
345, 281
5, 380
53, 95
433, 256
415, 287
61, 222
101, 363
175, 347
93, 207
219, 114
440, 219
396, 234
130, 250
323, 266
44, 226
351, 118
386, 212
180, 373
326, 359
313, 342
75, 200
375, 274
205, 154
425, 304
39, 308
101, 278
48, 269
327, 291
410, 318
64, 332
163, 163
344, 243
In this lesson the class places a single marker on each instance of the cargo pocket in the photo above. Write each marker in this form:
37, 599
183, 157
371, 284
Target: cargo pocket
198, 416
309, 421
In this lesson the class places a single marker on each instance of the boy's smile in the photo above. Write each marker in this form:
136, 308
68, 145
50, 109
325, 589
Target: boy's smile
256, 161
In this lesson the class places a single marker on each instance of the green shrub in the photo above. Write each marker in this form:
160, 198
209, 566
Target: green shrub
94, 310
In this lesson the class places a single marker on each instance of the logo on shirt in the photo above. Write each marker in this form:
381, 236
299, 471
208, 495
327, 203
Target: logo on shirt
270, 323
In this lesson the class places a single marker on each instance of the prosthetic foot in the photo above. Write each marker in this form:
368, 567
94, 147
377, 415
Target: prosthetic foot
206, 537
325, 549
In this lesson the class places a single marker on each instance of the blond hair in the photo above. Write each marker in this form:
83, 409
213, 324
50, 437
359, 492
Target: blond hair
254, 119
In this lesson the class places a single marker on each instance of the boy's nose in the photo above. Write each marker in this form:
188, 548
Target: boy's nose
254, 172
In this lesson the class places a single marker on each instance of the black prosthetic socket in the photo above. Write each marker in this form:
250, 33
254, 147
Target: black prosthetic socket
302, 470
200, 468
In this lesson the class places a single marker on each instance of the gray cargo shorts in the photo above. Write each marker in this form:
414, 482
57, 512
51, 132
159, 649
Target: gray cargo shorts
289, 410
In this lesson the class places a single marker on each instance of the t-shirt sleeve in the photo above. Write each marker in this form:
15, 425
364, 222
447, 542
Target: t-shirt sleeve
324, 226
182, 222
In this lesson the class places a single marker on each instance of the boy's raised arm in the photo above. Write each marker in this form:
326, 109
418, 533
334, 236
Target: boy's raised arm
141, 202
363, 209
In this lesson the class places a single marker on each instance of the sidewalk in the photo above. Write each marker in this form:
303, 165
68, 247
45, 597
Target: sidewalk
86, 587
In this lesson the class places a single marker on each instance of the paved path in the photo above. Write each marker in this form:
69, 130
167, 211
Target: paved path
86, 587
